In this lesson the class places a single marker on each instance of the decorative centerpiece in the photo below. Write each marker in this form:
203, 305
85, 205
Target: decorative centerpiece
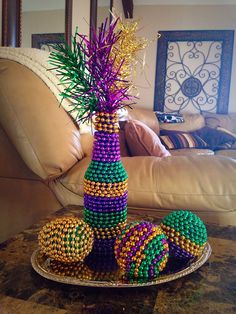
186, 234
96, 75
105, 184
67, 239
142, 250
97, 78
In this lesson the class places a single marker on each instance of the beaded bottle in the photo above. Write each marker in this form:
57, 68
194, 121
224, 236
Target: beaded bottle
105, 186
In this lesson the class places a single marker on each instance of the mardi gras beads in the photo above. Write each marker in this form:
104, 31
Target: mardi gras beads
66, 239
99, 83
77, 270
105, 184
186, 233
141, 250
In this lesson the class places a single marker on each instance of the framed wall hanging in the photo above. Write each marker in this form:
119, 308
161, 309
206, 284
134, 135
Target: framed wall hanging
193, 71
46, 41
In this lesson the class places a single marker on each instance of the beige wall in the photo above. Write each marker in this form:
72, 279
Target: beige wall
102, 14
154, 18
53, 21
40, 22
117, 6
81, 16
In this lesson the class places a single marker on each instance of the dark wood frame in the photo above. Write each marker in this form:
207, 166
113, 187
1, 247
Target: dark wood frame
48, 39
128, 8
93, 16
68, 21
11, 22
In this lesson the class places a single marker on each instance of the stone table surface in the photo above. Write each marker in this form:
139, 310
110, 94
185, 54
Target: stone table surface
210, 289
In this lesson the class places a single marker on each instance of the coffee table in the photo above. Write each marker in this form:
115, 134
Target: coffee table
210, 289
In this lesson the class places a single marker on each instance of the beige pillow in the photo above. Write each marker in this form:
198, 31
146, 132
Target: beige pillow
142, 141
192, 122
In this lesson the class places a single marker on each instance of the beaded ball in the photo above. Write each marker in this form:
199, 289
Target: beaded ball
67, 239
186, 234
141, 250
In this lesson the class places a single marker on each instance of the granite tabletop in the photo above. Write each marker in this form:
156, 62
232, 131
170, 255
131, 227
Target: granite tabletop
210, 289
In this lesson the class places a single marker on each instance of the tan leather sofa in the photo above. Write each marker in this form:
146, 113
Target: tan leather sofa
192, 122
43, 160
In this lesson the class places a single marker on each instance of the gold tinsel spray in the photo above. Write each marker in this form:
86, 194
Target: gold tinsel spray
126, 49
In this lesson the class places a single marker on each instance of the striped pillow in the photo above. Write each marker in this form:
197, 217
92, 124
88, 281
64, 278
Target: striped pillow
182, 140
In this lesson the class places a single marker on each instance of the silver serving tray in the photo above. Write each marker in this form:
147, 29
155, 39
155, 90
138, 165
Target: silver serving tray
80, 274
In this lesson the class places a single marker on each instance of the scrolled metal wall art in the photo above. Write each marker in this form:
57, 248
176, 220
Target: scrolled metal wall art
193, 71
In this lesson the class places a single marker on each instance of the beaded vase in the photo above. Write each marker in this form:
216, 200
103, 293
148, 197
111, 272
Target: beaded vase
105, 185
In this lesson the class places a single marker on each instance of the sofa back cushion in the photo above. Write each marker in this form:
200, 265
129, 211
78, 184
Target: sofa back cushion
191, 123
146, 116
226, 121
42, 132
216, 139
142, 141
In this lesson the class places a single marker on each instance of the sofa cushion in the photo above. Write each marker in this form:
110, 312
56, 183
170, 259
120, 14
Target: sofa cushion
227, 153
191, 152
216, 139
191, 123
142, 141
226, 131
124, 149
182, 140
226, 121
155, 183
195, 183
146, 116
42, 132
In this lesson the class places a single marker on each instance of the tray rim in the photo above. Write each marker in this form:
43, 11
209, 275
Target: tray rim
113, 284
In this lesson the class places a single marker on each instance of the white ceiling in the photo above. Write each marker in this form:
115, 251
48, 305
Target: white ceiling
45, 5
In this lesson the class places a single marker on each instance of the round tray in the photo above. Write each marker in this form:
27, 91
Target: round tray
80, 274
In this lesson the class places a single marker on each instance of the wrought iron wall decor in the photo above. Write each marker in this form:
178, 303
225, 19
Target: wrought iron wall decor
193, 71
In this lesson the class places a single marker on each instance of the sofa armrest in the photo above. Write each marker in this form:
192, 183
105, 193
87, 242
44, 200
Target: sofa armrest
11, 163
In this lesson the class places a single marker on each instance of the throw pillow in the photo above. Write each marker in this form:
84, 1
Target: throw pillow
142, 141
164, 117
215, 138
192, 122
227, 121
226, 131
124, 152
182, 140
